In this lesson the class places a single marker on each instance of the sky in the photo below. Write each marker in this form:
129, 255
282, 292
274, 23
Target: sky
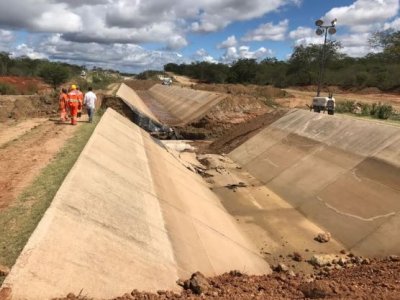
136, 35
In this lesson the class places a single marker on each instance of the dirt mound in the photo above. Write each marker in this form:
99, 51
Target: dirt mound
22, 107
141, 84
24, 85
118, 105
377, 280
239, 107
240, 133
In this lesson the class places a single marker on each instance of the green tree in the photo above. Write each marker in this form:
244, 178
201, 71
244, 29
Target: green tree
5, 62
389, 41
54, 74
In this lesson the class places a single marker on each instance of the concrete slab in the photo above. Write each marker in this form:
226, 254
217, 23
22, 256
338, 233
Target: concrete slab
128, 216
132, 99
184, 104
342, 173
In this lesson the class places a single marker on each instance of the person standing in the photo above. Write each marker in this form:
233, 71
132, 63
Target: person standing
90, 102
80, 99
63, 102
75, 104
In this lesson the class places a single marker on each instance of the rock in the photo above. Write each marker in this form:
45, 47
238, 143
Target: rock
198, 284
323, 237
236, 273
366, 261
180, 282
394, 258
315, 290
297, 257
309, 278
291, 273
342, 261
282, 268
4, 270
321, 260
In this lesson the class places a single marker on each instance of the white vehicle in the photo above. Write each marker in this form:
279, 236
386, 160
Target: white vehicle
324, 104
167, 81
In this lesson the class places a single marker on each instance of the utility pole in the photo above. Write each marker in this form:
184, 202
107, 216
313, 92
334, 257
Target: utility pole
323, 29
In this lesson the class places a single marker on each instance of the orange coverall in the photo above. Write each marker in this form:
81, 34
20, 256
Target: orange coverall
63, 101
75, 104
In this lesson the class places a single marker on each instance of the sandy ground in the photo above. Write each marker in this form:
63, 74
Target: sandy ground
302, 98
183, 80
13, 130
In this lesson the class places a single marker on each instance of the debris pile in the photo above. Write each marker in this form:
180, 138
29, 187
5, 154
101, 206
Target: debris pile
379, 279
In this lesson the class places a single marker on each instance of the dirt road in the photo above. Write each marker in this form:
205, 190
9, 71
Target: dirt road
27, 146
22, 159
301, 98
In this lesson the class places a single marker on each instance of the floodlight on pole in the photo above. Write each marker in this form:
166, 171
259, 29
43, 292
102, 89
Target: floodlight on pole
323, 29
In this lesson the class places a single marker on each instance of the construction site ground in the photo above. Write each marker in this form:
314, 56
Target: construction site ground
280, 230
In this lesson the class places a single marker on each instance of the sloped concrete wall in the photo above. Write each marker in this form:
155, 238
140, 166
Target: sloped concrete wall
132, 99
342, 173
128, 216
185, 104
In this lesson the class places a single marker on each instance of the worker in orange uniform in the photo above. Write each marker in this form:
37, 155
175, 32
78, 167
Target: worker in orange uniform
75, 104
81, 100
63, 101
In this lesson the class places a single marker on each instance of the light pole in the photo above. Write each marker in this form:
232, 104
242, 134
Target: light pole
323, 29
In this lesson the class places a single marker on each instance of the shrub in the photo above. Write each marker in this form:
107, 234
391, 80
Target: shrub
345, 107
381, 111
7, 89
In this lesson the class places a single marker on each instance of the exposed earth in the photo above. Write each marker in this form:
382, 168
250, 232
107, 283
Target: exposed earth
30, 136
372, 280
25, 85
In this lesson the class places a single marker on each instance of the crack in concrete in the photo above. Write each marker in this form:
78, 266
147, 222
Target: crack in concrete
355, 216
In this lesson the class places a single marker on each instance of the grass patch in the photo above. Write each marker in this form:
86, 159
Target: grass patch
18, 221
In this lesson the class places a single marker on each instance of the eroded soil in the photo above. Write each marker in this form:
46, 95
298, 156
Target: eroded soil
375, 280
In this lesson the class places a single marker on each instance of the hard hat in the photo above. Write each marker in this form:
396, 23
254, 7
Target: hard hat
73, 87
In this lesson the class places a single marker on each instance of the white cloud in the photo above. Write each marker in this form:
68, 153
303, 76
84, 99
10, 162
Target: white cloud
229, 42
233, 53
395, 25
25, 50
364, 15
301, 33
39, 15
202, 55
268, 31
215, 15
128, 21
127, 57
355, 44
6, 37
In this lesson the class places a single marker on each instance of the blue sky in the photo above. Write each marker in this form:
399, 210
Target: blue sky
133, 35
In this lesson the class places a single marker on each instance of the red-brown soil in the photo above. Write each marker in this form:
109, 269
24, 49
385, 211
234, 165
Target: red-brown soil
242, 104
22, 107
22, 160
376, 280
25, 85
240, 133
